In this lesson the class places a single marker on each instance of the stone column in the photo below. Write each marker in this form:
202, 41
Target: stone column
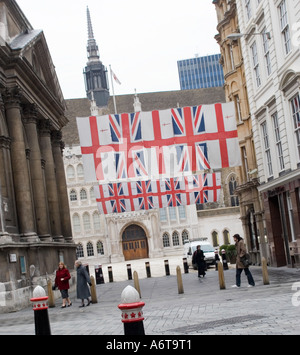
51, 186
57, 146
37, 176
22, 186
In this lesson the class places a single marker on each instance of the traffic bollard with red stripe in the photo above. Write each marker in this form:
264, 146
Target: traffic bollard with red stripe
40, 308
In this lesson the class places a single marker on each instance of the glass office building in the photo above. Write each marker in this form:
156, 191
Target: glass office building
200, 72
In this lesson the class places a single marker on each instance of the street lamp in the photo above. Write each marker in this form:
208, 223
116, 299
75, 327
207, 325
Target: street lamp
236, 36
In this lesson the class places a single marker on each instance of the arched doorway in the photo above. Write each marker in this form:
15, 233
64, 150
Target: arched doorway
135, 244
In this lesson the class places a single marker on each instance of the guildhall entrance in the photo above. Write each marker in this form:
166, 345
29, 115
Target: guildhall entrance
135, 245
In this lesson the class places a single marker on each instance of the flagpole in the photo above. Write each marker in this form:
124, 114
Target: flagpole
112, 84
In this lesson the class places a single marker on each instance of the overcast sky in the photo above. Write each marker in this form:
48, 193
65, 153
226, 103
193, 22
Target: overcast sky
141, 39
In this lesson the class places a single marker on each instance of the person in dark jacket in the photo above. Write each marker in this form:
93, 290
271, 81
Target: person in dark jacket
62, 283
240, 252
83, 279
224, 259
198, 258
217, 259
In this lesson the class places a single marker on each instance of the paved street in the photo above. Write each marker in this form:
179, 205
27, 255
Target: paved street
202, 309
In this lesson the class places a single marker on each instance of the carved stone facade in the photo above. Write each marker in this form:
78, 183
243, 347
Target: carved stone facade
236, 91
35, 228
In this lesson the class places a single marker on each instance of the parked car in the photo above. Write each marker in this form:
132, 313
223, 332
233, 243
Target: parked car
208, 250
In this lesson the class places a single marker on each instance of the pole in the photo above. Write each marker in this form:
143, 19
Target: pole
112, 85
179, 280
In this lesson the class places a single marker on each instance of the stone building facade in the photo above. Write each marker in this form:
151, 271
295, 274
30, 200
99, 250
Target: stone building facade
103, 239
270, 48
236, 91
35, 228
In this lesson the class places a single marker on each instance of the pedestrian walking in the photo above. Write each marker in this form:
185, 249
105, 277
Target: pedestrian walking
217, 259
224, 259
62, 283
83, 279
198, 259
240, 265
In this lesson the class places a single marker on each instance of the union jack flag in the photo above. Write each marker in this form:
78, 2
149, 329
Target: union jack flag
150, 194
166, 143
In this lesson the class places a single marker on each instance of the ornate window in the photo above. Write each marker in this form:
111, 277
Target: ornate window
79, 251
90, 249
73, 195
166, 240
175, 239
185, 236
76, 223
86, 222
83, 195
100, 248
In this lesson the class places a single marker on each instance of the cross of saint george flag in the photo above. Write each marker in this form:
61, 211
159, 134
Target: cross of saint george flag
115, 77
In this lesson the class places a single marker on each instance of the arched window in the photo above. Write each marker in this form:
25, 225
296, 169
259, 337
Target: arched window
175, 239
215, 238
86, 222
96, 221
226, 237
90, 249
185, 236
79, 251
92, 194
73, 195
166, 240
70, 172
80, 171
234, 200
76, 223
83, 195
100, 249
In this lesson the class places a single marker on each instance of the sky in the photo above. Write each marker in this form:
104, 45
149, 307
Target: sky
141, 40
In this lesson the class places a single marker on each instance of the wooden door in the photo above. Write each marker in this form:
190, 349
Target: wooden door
134, 243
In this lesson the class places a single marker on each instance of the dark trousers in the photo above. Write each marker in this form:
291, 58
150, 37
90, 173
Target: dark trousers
248, 274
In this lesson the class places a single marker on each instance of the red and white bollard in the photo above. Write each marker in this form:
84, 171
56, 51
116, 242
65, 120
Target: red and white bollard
132, 313
40, 308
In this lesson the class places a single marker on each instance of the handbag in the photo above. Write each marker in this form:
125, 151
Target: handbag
246, 260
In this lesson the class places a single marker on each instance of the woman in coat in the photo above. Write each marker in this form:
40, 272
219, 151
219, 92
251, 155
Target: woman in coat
241, 251
198, 258
62, 283
83, 279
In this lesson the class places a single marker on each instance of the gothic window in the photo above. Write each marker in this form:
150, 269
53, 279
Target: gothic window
215, 238
83, 195
175, 239
226, 237
73, 195
90, 249
70, 172
79, 251
86, 222
185, 236
92, 194
100, 248
295, 102
234, 200
76, 223
80, 171
166, 240
96, 221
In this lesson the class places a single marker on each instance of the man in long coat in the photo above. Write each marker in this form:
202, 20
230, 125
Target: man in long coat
83, 279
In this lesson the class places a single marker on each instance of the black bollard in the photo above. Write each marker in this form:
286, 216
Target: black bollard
129, 272
110, 274
148, 271
40, 308
185, 266
224, 260
99, 275
167, 268
132, 314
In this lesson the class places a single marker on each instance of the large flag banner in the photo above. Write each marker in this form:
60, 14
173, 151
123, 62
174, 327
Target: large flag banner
152, 145
147, 195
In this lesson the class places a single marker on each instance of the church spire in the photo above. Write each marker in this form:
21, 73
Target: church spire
92, 47
95, 73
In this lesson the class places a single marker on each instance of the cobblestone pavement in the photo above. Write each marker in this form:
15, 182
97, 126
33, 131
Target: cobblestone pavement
203, 308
